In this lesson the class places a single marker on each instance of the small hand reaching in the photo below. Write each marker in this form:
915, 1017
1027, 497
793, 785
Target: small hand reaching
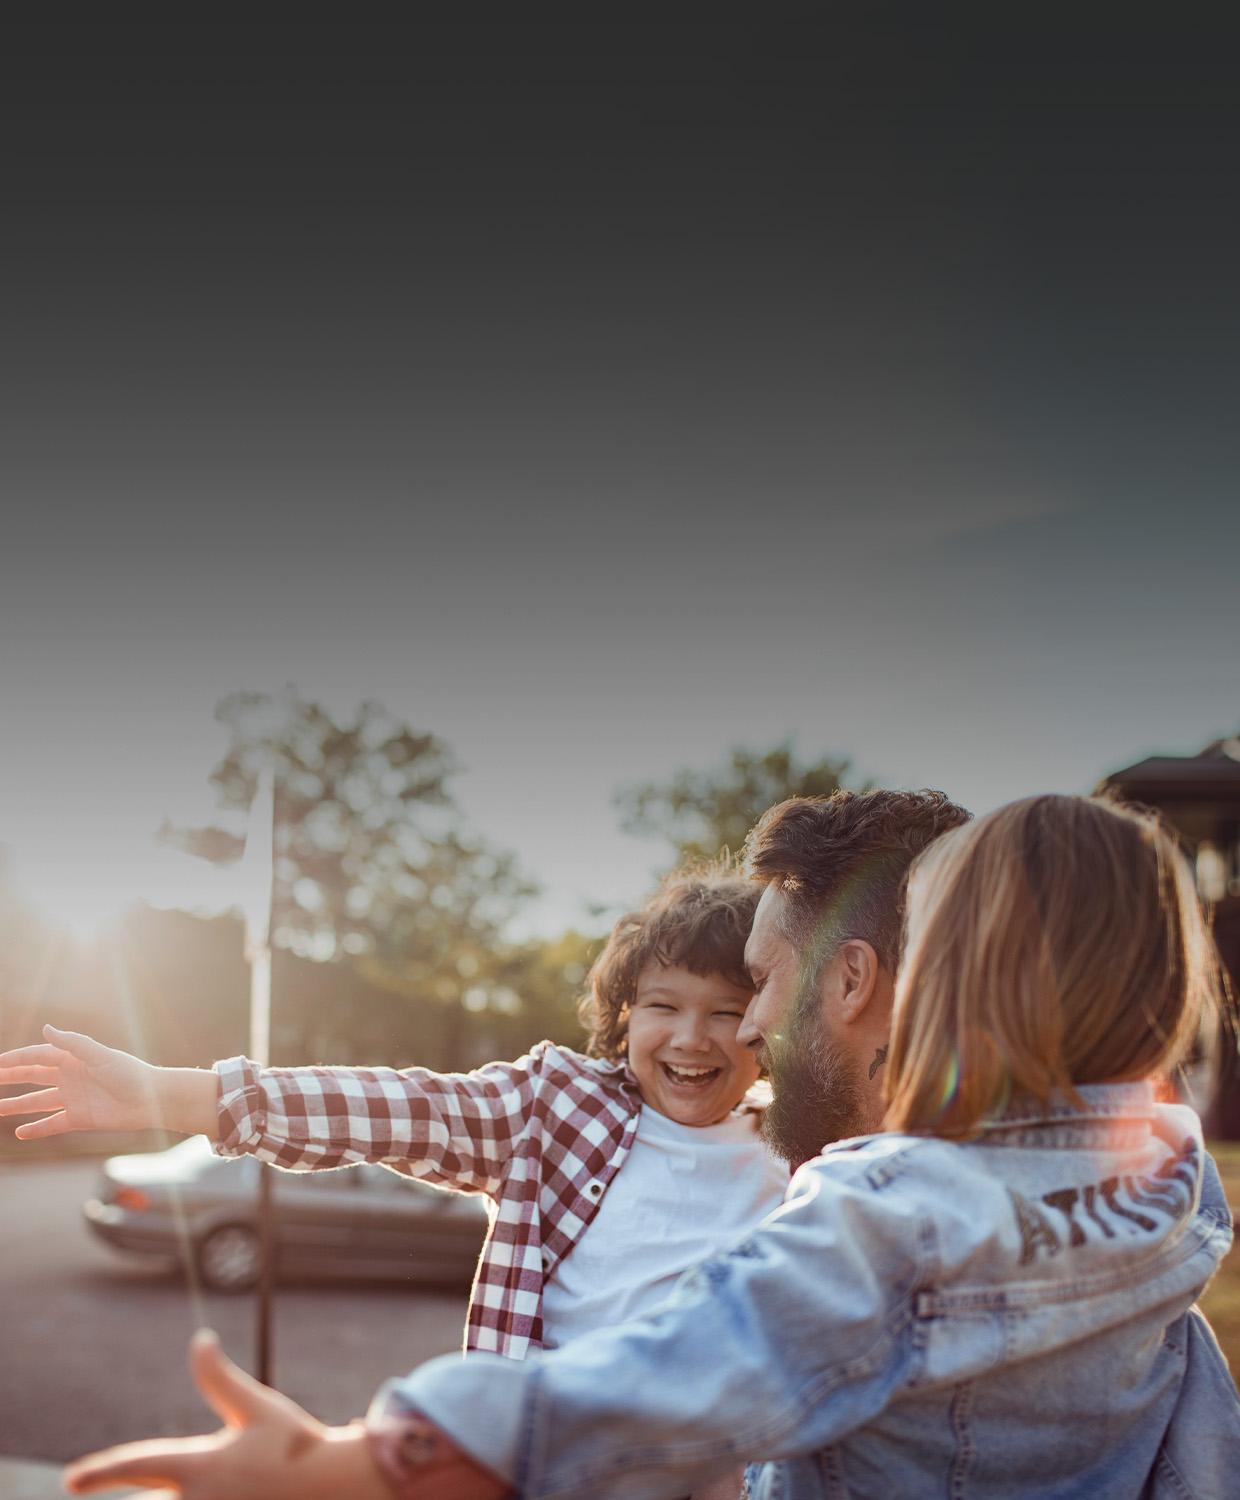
85, 1086
268, 1449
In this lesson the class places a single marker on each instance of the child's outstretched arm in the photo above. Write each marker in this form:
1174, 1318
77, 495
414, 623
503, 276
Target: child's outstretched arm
457, 1130
84, 1085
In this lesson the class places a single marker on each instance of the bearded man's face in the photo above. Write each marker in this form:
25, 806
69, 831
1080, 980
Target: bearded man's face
819, 1094
816, 1085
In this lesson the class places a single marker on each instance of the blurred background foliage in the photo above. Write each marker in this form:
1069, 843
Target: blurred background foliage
705, 813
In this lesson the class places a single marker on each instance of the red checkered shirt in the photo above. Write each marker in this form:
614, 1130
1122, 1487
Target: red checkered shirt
541, 1137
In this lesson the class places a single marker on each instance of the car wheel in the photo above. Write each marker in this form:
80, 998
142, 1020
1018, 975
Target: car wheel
230, 1258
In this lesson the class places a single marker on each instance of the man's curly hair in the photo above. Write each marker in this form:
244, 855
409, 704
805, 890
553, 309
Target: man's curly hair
842, 862
698, 919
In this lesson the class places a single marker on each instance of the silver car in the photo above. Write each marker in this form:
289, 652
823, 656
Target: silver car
188, 1204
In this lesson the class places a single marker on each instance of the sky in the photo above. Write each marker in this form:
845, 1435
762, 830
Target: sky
603, 395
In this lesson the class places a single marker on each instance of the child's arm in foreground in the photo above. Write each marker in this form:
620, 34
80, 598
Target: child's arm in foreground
270, 1448
454, 1129
84, 1085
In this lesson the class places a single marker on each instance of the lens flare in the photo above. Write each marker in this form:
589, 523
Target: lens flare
136, 1042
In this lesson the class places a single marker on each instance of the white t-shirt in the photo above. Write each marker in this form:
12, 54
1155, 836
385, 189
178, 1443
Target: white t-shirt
683, 1192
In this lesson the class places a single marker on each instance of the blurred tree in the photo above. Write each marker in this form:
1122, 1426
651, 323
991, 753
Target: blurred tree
536, 986
511, 996
29, 953
372, 862
703, 813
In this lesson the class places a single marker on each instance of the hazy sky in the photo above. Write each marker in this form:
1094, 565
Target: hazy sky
601, 397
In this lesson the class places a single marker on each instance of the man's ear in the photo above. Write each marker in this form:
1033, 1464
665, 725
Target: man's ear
859, 973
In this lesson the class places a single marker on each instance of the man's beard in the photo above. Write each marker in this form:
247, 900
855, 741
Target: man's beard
817, 1088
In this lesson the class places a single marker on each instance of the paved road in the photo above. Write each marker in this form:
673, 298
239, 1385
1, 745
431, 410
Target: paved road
93, 1343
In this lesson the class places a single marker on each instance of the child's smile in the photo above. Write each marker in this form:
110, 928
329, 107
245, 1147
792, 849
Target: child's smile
682, 1044
689, 1077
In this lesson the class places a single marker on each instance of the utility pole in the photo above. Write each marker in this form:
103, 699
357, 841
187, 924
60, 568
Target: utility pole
258, 871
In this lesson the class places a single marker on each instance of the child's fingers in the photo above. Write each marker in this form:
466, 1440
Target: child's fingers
230, 1393
154, 1464
32, 1104
29, 1074
84, 1048
39, 1130
39, 1052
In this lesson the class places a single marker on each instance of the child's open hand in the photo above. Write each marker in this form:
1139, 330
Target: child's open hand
86, 1086
269, 1447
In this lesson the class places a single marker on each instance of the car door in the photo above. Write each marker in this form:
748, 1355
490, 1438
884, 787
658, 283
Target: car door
417, 1230
316, 1217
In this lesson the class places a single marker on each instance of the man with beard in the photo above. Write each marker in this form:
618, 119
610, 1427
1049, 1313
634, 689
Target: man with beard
822, 954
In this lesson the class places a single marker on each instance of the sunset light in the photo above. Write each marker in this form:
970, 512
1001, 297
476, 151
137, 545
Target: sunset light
85, 889
71, 894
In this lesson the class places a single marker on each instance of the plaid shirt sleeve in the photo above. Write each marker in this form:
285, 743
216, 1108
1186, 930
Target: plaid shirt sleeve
457, 1130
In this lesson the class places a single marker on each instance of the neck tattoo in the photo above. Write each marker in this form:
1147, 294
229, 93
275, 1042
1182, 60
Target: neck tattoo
880, 1057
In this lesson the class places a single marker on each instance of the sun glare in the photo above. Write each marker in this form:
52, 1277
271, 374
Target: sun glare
85, 888
70, 898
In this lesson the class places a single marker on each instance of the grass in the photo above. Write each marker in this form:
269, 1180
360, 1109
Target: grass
1221, 1303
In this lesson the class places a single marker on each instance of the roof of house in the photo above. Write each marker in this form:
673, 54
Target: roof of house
1212, 775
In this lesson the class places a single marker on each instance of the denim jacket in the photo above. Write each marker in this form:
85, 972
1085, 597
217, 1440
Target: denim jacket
1008, 1316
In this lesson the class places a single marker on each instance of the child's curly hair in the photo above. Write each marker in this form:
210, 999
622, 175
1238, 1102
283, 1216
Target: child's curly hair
698, 919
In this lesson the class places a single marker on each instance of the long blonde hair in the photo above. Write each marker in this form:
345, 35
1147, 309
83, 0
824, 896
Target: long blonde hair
1057, 941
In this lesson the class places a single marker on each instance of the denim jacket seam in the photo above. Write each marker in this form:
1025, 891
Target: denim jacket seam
1028, 1135
1222, 1220
899, 1320
959, 1412
1173, 1475
888, 1169
1030, 1296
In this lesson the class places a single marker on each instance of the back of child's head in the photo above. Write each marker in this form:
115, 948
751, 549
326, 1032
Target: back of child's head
698, 919
1056, 942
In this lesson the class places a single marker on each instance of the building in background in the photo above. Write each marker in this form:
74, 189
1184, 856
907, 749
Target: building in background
1199, 795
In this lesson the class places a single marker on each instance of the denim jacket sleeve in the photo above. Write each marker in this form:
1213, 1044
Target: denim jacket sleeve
794, 1336
1188, 1468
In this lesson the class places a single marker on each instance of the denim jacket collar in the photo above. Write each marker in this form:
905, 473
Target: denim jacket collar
1119, 1115
1102, 1101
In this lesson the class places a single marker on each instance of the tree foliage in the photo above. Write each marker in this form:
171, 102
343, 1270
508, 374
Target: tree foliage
372, 858
702, 813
